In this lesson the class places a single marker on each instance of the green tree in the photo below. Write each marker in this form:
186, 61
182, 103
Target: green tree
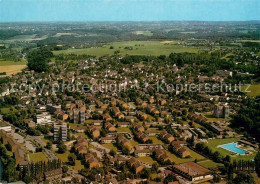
72, 159
257, 163
38, 60
61, 147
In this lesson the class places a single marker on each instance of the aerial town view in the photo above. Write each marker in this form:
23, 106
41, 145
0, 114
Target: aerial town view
127, 91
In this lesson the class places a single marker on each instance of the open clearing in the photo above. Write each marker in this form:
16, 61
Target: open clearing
153, 48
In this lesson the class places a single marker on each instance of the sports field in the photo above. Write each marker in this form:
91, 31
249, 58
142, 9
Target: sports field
154, 48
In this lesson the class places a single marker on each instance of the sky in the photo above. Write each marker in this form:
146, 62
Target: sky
129, 10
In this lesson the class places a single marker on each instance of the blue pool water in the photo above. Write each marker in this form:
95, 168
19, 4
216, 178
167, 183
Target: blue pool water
233, 147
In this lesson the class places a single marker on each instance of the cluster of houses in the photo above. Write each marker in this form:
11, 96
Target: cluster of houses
139, 119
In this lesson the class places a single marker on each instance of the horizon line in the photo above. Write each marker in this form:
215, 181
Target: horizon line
92, 21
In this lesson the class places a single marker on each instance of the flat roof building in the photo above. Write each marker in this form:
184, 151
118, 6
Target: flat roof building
193, 171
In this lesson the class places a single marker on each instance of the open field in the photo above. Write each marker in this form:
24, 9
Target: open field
25, 38
254, 90
145, 33
12, 69
8, 63
35, 157
154, 48
255, 41
65, 34
179, 160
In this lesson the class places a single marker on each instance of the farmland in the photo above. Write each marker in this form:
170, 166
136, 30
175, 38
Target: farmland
12, 67
154, 48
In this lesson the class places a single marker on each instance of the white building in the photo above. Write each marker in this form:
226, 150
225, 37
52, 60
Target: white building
43, 119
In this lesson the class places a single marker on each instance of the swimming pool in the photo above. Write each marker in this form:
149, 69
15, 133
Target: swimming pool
234, 148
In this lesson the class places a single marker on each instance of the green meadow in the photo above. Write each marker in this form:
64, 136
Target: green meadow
153, 48
253, 90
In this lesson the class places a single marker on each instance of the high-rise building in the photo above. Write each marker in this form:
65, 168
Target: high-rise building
60, 130
76, 116
79, 116
82, 116
221, 111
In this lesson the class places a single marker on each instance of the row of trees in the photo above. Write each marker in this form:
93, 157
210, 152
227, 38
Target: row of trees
32, 170
9, 172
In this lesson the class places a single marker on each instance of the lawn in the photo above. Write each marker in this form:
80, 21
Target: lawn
147, 160
213, 143
156, 140
213, 119
74, 125
179, 160
254, 90
154, 48
210, 164
36, 157
134, 143
123, 130
110, 146
63, 157
78, 166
